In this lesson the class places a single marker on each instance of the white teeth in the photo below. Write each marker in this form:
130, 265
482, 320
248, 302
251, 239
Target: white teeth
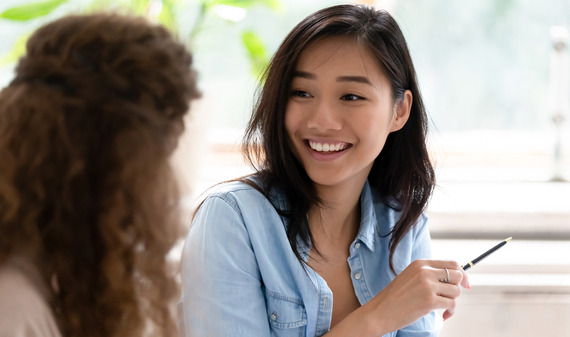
325, 147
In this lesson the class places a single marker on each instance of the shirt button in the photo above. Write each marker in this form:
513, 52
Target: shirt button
358, 276
357, 245
326, 304
274, 316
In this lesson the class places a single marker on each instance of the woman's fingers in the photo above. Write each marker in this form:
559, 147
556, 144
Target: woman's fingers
447, 314
456, 273
451, 291
443, 264
465, 280
455, 276
448, 277
451, 276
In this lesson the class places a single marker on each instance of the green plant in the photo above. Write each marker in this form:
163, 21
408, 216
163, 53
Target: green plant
31, 11
164, 11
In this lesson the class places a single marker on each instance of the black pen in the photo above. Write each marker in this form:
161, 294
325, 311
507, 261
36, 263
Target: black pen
485, 254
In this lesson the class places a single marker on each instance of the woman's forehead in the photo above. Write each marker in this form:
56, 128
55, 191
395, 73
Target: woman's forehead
345, 56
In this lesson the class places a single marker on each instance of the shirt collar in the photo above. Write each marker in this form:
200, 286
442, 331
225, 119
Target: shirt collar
368, 221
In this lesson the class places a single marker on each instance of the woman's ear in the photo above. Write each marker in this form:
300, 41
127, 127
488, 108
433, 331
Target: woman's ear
402, 111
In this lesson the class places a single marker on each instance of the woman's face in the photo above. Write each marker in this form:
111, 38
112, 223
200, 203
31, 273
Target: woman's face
340, 111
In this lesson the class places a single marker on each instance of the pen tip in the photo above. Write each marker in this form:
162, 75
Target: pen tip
509, 239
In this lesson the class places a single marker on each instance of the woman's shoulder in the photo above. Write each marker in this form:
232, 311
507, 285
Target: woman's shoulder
24, 309
244, 197
246, 191
243, 186
235, 211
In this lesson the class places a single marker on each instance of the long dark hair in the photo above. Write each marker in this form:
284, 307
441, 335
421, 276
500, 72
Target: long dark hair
87, 194
402, 173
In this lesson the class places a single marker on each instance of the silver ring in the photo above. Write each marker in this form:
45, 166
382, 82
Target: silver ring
446, 279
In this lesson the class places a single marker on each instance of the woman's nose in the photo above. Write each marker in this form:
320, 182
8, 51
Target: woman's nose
324, 117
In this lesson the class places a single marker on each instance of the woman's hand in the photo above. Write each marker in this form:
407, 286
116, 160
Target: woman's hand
422, 287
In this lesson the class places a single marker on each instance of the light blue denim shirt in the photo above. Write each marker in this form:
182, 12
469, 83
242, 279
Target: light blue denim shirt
240, 276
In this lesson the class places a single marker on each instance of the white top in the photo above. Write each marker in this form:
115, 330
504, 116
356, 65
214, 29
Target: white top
24, 309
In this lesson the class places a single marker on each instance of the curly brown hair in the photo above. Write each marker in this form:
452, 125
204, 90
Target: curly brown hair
87, 127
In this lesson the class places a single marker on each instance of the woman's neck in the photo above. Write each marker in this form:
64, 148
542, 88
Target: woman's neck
338, 218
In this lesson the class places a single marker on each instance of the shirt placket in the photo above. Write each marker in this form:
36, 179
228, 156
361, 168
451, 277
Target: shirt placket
325, 306
357, 274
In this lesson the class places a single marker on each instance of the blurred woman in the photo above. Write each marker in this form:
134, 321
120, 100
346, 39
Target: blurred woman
88, 199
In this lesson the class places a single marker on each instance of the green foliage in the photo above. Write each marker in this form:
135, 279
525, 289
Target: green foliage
256, 52
255, 48
274, 4
17, 50
168, 14
31, 11
164, 11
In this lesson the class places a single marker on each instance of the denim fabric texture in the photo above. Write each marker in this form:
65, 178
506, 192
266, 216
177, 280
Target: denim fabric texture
240, 276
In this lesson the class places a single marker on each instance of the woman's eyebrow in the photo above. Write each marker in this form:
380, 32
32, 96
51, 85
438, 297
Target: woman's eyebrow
311, 76
304, 74
359, 79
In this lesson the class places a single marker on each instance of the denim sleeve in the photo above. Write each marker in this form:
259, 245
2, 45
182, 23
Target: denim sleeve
421, 249
221, 283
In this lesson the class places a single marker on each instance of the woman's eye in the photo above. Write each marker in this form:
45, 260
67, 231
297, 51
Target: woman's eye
299, 93
351, 97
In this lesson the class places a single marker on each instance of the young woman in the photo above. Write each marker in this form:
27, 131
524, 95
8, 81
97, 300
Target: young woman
87, 197
329, 236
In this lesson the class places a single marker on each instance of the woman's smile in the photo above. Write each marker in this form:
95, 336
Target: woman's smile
327, 146
326, 150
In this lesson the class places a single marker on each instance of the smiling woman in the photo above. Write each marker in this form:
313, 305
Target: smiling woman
328, 237
339, 115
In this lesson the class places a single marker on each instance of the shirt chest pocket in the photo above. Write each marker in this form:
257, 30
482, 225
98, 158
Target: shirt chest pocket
287, 316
